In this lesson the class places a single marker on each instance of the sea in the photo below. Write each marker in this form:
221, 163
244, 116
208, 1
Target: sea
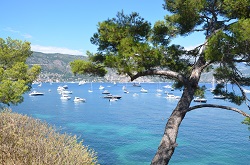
129, 130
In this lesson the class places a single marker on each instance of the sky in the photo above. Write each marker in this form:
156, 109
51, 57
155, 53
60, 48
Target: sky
66, 26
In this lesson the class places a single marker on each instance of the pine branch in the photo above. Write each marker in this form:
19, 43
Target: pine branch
168, 74
218, 106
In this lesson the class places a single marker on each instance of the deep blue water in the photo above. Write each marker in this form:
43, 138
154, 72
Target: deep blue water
128, 131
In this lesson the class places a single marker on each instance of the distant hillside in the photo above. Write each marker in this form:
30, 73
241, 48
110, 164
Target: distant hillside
55, 66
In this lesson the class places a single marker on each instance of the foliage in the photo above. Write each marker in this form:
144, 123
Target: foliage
15, 76
125, 43
186, 14
25, 140
81, 67
246, 121
200, 91
130, 45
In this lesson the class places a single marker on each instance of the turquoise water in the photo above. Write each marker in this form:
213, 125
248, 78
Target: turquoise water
128, 131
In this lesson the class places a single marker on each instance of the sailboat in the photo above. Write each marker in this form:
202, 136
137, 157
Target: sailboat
213, 88
213, 85
90, 90
39, 85
158, 90
125, 89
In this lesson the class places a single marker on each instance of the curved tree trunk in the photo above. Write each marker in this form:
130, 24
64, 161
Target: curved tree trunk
168, 142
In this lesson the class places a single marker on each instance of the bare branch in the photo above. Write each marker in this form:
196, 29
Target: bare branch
169, 74
218, 106
200, 47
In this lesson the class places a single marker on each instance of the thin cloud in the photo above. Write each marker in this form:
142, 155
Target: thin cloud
27, 36
11, 30
51, 49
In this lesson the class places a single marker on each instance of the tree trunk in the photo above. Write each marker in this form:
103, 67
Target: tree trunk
168, 142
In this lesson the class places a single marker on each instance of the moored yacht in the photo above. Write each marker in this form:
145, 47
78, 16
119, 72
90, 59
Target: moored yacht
78, 99
109, 96
136, 85
172, 96
144, 90
105, 92
219, 97
101, 87
201, 100
35, 93
65, 97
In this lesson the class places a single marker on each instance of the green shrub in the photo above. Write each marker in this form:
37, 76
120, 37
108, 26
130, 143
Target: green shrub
26, 141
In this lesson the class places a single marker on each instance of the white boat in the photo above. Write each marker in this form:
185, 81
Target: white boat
101, 87
201, 100
167, 86
65, 97
177, 97
136, 85
125, 91
219, 97
135, 95
81, 82
144, 90
78, 99
91, 88
113, 99
61, 88
105, 92
66, 92
159, 90
65, 86
35, 93
110, 96
158, 94
213, 85
172, 96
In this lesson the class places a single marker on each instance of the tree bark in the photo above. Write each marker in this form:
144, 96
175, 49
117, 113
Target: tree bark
168, 142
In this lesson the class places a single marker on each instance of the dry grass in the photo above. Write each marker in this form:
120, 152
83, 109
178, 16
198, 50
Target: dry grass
28, 141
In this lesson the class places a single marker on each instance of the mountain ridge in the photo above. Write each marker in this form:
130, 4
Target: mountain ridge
56, 68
